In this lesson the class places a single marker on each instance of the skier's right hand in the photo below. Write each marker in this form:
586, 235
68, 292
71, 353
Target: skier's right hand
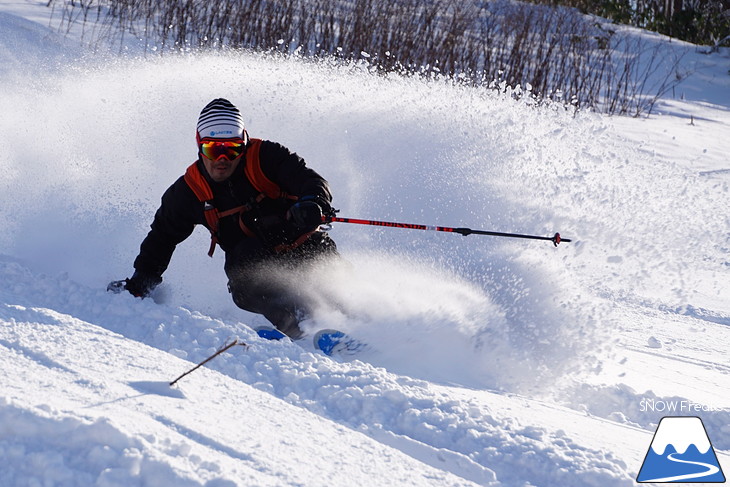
140, 285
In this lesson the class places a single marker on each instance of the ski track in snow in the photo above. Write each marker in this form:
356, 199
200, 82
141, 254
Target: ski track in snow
498, 362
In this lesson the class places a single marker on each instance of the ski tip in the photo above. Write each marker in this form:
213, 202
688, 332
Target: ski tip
269, 332
334, 342
327, 340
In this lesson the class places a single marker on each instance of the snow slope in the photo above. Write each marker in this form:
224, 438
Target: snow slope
498, 362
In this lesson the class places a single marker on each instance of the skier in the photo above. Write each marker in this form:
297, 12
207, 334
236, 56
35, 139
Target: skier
263, 207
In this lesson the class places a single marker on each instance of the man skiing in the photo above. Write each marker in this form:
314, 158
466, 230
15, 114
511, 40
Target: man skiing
263, 207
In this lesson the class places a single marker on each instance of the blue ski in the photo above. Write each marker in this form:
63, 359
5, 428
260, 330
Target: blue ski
335, 342
330, 342
269, 332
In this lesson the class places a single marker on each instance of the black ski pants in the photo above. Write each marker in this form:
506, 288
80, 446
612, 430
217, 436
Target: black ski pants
263, 281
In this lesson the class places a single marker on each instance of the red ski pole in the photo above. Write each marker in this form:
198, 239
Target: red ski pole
555, 239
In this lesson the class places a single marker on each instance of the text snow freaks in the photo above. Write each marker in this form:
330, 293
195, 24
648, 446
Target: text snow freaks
677, 406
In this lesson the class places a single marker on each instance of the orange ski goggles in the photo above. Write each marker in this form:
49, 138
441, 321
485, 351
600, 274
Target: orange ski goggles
228, 149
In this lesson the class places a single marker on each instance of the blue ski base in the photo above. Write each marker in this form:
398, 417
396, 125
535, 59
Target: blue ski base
335, 342
269, 333
330, 342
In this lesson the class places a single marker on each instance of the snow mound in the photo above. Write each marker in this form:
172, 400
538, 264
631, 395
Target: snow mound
113, 385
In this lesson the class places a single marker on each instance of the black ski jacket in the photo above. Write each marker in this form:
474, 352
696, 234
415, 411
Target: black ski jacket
181, 210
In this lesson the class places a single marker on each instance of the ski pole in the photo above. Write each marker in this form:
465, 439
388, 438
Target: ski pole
555, 239
218, 352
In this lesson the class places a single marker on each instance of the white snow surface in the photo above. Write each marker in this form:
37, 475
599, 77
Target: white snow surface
495, 362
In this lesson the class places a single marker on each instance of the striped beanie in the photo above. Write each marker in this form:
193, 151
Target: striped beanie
220, 119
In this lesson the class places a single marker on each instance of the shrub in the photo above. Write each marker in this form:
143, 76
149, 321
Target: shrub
547, 52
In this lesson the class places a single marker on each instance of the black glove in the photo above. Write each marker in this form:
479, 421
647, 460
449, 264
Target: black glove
139, 285
306, 214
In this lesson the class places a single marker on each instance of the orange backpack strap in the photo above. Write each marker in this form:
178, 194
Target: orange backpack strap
256, 176
202, 191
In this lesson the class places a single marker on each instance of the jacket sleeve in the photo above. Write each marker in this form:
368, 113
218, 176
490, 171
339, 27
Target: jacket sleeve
289, 171
174, 222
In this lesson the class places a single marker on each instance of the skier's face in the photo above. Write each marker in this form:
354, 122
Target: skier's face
221, 156
222, 168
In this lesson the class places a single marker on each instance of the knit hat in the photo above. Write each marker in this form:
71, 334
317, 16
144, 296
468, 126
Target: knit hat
220, 119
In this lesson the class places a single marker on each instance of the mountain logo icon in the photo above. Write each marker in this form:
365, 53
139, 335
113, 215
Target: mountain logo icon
681, 452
